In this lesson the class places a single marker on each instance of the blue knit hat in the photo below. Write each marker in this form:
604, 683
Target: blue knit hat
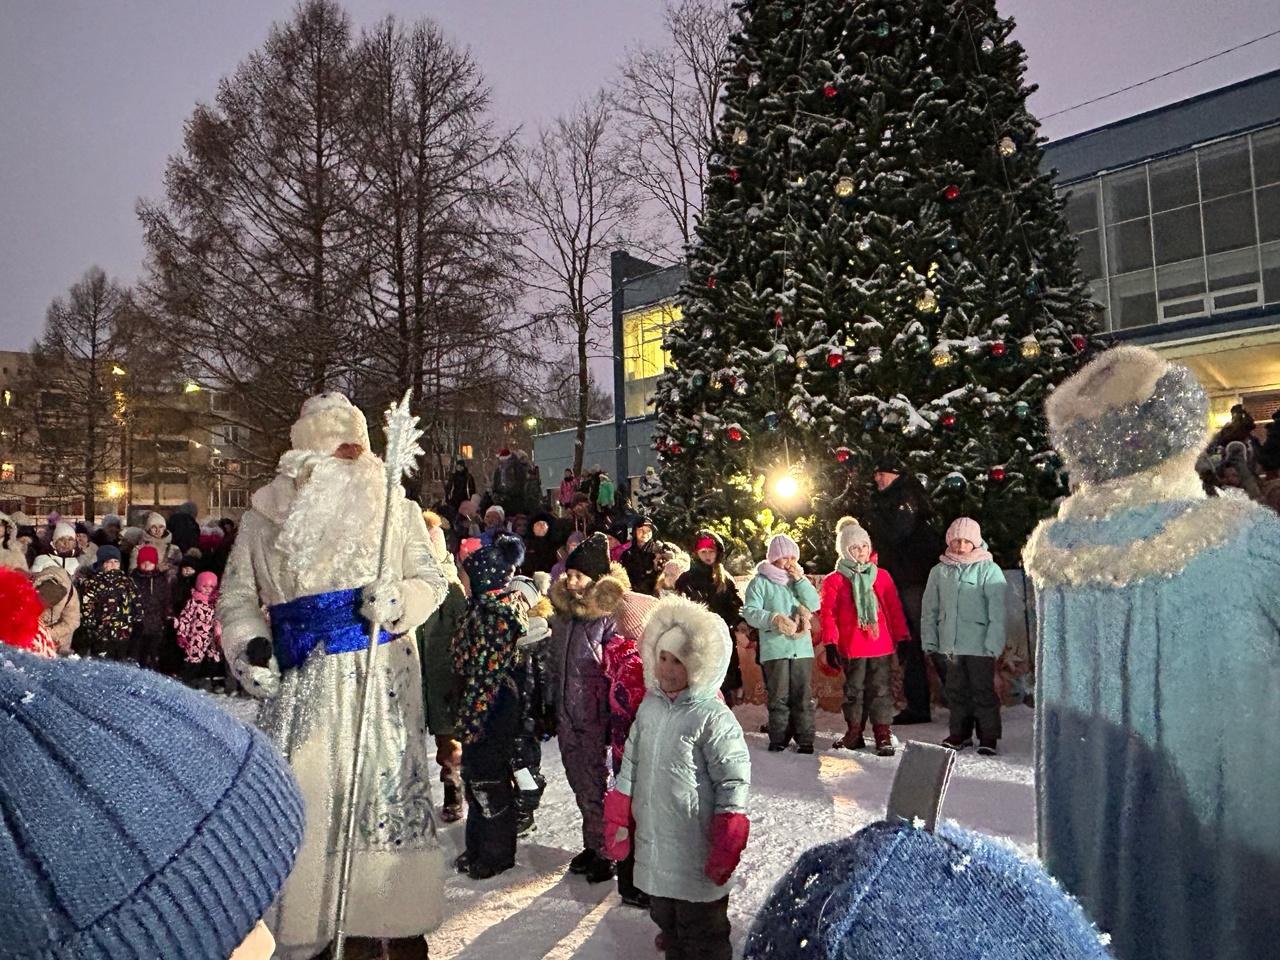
896, 892
107, 552
491, 568
139, 819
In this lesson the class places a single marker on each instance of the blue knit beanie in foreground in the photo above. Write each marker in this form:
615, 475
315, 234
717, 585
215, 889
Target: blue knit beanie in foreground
895, 892
137, 819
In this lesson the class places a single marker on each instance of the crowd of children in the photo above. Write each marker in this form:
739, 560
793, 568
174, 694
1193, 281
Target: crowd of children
126, 594
636, 674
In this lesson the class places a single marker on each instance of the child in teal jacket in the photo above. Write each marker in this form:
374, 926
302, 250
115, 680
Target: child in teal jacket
781, 603
963, 619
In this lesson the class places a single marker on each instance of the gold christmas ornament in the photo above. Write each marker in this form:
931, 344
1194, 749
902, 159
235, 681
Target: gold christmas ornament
802, 361
942, 356
740, 136
1007, 147
844, 187
927, 302
1029, 347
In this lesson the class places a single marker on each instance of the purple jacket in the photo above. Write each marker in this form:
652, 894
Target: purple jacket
579, 630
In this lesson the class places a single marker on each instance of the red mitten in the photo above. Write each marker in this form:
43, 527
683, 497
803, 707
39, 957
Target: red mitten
728, 836
618, 825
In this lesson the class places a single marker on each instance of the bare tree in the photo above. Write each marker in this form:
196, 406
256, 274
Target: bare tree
669, 97
577, 205
435, 203
78, 350
560, 393
257, 257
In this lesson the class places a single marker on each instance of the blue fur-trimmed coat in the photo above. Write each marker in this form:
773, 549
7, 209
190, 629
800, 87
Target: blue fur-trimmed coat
1157, 715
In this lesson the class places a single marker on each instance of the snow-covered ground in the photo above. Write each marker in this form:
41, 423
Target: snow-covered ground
536, 910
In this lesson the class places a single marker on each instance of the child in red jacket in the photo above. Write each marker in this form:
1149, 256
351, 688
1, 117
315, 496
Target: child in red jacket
862, 619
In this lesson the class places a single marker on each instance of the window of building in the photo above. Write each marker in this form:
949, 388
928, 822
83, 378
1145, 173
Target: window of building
466, 452
1129, 246
1177, 235
1133, 300
1225, 169
1124, 195
1229, 223
1082, 218
8, 397
1271, 272
643, 356
1174, 183
1269, 213
1266, 156
8, 473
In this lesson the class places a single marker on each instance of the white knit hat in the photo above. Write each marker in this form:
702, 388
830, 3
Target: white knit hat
782, 546
64, 529
328, 421
964, 528
156, 520
850, 534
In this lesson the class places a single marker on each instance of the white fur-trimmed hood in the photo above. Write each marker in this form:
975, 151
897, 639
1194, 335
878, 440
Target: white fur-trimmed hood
694, 634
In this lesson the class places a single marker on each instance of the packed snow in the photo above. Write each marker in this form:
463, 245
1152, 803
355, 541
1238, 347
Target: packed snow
536, 910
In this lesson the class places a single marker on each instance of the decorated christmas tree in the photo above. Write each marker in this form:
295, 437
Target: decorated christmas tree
882, 268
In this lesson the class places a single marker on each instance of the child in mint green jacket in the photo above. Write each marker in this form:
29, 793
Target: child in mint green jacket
781, 603
963, 618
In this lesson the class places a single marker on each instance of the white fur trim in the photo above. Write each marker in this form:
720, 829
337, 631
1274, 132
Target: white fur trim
1118, 378
1204, 526
328, 421
691, 632
1175, 479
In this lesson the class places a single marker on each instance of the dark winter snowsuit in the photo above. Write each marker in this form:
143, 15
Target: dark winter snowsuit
110, 611
155, 594
540, 552
490, 667
580, 629
643, 565
715, 589
439, 683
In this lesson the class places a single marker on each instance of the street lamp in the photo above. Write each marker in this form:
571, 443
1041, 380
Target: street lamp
786, 485
531, 422
118, 371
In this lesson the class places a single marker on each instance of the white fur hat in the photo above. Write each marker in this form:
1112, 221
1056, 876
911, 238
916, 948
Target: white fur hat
328, 421
1127, 411
849, 534
691, 632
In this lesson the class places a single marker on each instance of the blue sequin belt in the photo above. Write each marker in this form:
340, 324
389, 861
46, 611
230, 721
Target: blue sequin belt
331, 620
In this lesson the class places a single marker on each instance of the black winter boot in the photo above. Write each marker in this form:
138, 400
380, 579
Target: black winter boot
600, 870
582, 862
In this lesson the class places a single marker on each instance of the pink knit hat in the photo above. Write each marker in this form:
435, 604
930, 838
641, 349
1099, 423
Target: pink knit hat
636, 609
963, 528
782, 546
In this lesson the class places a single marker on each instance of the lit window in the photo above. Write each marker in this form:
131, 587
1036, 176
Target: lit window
643, 356
8, 398
466, 453
8, 472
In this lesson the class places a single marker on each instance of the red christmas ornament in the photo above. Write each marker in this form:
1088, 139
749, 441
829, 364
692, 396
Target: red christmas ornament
834, 359
734, 175
1079, 342
843, 454
997, 474
734, 434
829, 91
949, 421
711, 283
951, 192
999, 348
777, 319
676, 449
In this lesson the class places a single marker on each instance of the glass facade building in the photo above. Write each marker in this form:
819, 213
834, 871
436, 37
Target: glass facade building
1194, 234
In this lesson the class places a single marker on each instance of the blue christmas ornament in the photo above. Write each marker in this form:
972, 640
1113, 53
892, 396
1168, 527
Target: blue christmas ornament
954, 483
771, 421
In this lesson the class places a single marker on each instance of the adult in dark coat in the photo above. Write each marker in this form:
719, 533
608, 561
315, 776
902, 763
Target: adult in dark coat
643, 559
460, 487
184, 527
903, 533
540, 545
707, 582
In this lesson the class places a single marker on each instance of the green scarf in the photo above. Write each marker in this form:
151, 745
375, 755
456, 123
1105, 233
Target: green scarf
863, 578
